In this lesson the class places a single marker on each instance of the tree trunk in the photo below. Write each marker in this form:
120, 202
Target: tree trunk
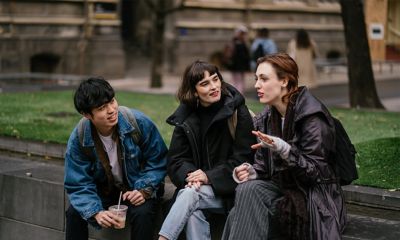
157, 52
362, 89
128, 30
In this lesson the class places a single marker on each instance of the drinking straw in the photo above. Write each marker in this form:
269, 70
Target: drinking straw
119, 200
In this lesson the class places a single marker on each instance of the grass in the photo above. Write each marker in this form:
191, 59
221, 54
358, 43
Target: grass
50, 117
365, 125
379, 163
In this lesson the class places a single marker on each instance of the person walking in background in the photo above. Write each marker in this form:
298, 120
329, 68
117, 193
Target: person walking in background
261, 46
240, 59
109, 153
204, 149
304, 51
291, 189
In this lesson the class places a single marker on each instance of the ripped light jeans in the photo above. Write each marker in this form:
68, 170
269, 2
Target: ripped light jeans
187, 211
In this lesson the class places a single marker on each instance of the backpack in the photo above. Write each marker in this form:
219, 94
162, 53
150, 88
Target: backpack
344, 155
259, 52
127, 113
232, 122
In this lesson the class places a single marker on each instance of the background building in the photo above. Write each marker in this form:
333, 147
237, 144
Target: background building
61, 36
203, 28
383, 27
113, 37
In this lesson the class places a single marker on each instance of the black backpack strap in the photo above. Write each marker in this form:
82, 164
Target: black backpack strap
127, 113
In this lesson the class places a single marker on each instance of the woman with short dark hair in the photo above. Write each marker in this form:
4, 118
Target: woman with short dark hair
205, 149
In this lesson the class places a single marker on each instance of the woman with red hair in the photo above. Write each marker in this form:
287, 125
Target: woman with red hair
291, 189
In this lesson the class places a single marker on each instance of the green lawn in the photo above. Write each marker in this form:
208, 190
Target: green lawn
50, 117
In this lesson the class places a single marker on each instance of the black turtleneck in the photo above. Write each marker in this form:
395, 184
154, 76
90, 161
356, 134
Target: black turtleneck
206, 115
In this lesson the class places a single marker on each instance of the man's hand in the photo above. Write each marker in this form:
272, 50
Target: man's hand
106, 219
134, 197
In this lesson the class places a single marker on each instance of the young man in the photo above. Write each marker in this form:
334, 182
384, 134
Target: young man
104, 157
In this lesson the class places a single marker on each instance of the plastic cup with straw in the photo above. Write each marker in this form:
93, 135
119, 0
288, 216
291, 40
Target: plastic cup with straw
120, 212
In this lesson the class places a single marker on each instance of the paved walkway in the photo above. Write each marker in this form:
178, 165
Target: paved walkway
327, 77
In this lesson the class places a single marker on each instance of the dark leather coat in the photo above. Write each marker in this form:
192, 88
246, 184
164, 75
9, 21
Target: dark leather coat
222, 153
311, 163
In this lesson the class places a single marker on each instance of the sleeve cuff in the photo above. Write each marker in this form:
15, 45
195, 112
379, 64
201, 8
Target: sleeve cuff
146, 192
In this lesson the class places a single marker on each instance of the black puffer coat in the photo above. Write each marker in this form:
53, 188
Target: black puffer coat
310, 161
222, 156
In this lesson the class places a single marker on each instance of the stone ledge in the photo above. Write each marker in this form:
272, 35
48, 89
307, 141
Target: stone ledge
353, 193
31, 221
52, 150
375, 197
36, 200
18, 230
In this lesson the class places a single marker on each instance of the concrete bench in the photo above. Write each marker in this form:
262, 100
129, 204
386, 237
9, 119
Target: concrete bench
33, 204
31, 207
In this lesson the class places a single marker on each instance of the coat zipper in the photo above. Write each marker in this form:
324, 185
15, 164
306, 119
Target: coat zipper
188, 131
207, 153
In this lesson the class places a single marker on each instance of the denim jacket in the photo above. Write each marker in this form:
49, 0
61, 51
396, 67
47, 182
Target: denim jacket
82, 173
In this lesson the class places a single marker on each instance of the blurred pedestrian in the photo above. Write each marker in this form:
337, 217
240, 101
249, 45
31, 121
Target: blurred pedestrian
262, 45
240, 59
304, 51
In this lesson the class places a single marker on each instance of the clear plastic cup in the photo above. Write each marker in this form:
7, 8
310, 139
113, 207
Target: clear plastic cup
120, 213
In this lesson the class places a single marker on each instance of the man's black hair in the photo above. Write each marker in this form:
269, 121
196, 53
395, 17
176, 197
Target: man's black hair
92, 93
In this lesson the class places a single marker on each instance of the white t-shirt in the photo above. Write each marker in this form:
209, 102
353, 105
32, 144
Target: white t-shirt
110, 146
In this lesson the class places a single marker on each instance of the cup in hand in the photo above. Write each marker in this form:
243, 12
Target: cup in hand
120, 214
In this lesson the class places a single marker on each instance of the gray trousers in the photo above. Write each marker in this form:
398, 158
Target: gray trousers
255, 206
